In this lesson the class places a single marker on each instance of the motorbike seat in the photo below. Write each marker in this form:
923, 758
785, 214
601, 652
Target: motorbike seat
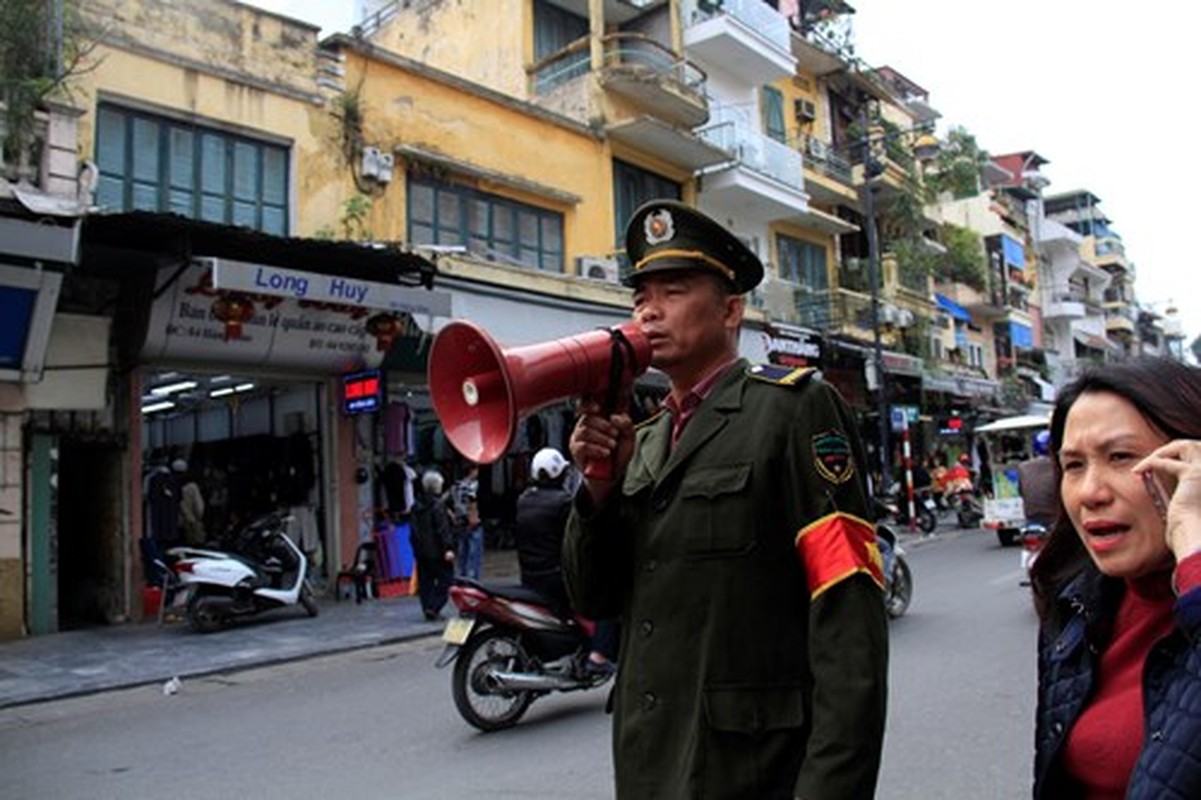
508, 591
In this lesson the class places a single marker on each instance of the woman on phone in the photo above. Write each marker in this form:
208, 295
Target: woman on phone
1118, 588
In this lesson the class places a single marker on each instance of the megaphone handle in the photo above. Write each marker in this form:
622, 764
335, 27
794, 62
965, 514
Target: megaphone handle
617, 396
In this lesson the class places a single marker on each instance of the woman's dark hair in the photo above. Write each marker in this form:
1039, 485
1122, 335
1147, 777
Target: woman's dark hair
1167, 393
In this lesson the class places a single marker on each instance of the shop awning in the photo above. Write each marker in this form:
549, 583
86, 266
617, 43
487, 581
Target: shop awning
1093, 341
1014, 252
1021, 335
951, 307
961, 385
1016, 423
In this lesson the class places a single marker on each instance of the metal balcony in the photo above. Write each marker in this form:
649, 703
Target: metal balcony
649, 74
765, 177
748, 38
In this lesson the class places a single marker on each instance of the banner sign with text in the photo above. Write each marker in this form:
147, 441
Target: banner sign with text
239, 276
306, 327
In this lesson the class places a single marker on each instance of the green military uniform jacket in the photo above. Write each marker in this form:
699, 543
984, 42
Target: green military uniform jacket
743, 674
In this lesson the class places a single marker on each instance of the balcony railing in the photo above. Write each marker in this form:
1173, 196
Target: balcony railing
623, 51
756, 15
753, 150
561, 67
1110, 246
823, 158
643, 54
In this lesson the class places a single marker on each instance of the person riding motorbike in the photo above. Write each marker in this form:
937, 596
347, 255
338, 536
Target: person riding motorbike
959, 477
542, 511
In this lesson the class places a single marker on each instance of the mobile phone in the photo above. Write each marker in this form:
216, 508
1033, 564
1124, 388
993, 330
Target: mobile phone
1158, 496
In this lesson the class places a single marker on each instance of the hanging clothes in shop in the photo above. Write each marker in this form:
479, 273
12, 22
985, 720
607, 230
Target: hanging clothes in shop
398, 479
396, 429
297, 476
161, 491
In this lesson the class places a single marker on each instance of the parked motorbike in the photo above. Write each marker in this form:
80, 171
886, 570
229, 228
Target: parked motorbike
263, 570
898, 581
969, 512
894, 506
510, 646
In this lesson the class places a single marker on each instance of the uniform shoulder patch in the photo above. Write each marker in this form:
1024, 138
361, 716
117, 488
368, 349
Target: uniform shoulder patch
782, 376
832, 456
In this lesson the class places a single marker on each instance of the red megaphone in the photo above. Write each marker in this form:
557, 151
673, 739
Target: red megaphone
480, 391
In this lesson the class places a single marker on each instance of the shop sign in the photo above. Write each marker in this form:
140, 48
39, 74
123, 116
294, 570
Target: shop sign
238, 276
187, 323
902, 417
363, 392
793, 347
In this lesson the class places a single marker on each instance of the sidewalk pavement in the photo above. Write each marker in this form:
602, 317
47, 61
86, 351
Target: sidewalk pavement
58, 665
39, 668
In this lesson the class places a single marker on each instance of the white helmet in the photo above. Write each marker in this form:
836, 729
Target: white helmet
548, 464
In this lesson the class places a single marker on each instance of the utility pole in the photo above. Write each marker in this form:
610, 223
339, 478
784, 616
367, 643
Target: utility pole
873, 275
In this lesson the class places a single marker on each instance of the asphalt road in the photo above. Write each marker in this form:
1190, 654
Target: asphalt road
379, 723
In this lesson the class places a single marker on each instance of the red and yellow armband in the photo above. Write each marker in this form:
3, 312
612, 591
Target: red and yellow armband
836, 547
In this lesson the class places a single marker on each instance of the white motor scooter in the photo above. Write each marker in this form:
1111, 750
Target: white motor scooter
270, 571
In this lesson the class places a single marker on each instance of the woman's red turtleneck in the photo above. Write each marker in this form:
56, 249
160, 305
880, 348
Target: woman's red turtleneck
1104, 744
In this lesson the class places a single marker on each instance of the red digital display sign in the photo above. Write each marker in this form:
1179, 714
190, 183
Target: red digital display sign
363, 392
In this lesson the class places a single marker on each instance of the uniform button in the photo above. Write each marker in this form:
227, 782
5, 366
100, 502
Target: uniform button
649, 701
651, 565
647, 627
660, 503
1057, 728
1157, 736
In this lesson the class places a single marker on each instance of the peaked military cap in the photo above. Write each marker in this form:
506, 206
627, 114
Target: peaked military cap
668, 235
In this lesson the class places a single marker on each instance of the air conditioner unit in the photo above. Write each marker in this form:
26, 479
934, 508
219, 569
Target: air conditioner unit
605, 270
377, 164
804, 110
386, 162
818, 149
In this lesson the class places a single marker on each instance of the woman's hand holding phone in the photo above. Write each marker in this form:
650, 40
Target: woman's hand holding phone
1172, 475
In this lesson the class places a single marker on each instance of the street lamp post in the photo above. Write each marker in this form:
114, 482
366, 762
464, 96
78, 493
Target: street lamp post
873, 276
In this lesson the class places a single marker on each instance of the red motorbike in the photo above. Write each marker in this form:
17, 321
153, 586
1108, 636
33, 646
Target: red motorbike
511, 646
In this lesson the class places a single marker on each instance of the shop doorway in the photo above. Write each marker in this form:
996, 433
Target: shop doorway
90, 584
252, 445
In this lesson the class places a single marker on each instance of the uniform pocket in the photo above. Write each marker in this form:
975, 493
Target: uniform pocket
753, 710
754, 741
716, 511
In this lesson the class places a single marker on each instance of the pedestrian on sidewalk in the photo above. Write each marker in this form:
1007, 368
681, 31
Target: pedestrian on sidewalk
733, 542
433, 545
469, 535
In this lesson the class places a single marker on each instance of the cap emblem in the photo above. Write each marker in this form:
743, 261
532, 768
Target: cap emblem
660, 227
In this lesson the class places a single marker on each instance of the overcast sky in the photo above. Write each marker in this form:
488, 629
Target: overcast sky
1098, 90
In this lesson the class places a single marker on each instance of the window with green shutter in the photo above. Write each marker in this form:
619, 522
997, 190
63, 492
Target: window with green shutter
633, 186
489, 226
153, 163
773, 114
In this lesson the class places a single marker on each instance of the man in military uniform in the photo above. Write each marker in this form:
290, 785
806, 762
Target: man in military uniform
734, 542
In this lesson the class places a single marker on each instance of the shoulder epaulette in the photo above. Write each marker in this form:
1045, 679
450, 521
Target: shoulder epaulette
782, 376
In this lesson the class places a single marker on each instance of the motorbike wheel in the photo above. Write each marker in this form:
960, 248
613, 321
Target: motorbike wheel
204, 613
306, 600
900, 589
480, 703
926, 520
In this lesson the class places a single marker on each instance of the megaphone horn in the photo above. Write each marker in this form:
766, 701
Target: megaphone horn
479, 391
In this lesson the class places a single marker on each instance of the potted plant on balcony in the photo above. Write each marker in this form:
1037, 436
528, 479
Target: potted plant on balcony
43, 46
